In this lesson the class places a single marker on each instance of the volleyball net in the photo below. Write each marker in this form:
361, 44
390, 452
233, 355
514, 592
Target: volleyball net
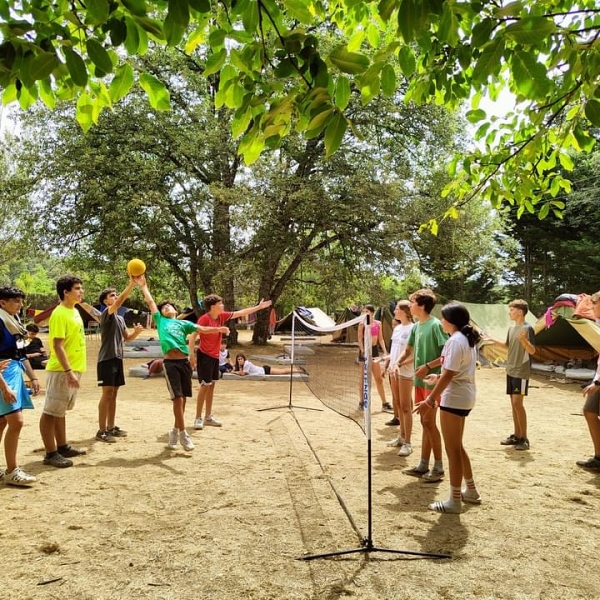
336, 376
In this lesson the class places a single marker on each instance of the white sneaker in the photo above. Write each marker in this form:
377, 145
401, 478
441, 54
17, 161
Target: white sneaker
199, 423
396, 442
19, 477
186, 441
212, 421
172, 445
405, 450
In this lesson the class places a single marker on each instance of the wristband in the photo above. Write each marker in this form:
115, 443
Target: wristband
35, 379
68, 370
428, 367
596, 383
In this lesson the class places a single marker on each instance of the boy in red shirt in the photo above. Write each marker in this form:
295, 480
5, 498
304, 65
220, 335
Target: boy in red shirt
207, 355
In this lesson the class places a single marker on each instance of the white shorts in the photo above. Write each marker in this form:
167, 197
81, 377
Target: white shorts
59, 396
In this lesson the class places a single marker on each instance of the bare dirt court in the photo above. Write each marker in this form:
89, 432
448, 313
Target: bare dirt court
229, 520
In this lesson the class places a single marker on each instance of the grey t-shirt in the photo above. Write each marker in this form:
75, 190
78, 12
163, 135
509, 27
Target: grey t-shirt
112, 331
518, 363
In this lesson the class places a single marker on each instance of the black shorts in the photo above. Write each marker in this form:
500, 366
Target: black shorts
460, 412
110, 373
207, 367
267, 369
374, 354
178, 373
516, 386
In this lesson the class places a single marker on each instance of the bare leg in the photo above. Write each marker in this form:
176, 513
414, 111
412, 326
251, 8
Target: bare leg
107, 408
405, 407
178, 412
11, 439
593, 424
519, 415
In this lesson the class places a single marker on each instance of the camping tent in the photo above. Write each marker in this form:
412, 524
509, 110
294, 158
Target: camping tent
567, 338
349, 335
493, 321
88, 313
314, 316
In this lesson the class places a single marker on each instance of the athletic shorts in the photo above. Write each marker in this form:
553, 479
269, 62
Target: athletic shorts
516, 386
374, 354
421, 394
459, 412
207, 367
178, 373
592, 403
59, 396
110, 373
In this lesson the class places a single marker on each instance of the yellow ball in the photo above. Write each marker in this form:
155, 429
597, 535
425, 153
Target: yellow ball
136, 267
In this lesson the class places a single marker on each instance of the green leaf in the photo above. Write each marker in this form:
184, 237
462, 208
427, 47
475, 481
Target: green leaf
299, 10
99, 56
592, 112
47, 93
566, 161
250, 16
334, 133
388, 80
413, 18
474, 116
530, 76
349, 62
386, 8
202, 6
544, 211
215, 62
121, 82
448, 27
317, 123
9, 94
531, 31
97, 11
43, 65
84, 112
27, 97
132, 41
135, 7
176, 21
489, 61
152, 26
406, 59
342, 92
157, 93
76, 66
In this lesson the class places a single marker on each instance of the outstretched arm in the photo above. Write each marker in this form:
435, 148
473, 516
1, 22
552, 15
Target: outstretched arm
113, 308
141, 281
251, 309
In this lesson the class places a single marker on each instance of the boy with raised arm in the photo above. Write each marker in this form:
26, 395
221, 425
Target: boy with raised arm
207, 358
172, 334
110, 372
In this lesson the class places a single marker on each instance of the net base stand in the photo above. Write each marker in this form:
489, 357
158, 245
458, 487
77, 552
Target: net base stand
369, 547
290, 406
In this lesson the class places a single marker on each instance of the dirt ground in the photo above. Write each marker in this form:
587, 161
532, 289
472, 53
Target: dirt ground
231, 518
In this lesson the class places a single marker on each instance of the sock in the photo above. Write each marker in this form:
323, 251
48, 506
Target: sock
63, 447
470, 484
454, 495
51, 454
438, 465
423, 465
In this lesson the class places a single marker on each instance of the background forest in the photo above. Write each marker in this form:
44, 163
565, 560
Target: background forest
295, 226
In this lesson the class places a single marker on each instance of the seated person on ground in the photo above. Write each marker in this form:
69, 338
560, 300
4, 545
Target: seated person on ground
244, 367
34, 350
225, 365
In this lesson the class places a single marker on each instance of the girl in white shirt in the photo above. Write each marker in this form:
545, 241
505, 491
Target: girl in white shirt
401, 379
456, 387
244, 367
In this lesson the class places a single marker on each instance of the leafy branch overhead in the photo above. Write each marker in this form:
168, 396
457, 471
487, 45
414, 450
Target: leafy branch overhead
276, 72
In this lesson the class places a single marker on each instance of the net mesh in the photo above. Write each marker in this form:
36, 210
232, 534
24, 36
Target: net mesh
335, 375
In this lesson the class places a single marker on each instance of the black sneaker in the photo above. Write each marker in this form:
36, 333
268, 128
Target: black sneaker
394, 421
70, 452
105, 436
593, 464
511, 440
117, 432
58, 460
522, 444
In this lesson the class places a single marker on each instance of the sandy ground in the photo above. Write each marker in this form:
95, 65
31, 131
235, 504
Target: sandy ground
231, 518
